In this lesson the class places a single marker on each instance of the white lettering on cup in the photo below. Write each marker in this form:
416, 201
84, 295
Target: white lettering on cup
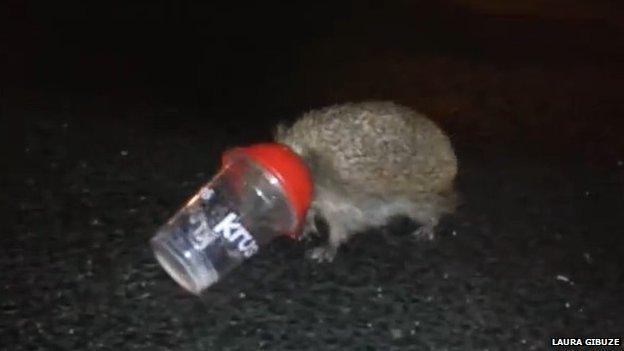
201, 236
232, 230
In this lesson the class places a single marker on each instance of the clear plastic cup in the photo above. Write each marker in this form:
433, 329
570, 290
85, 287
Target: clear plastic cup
251, 200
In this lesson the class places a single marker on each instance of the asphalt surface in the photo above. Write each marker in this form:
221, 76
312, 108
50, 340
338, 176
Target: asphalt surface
534, 252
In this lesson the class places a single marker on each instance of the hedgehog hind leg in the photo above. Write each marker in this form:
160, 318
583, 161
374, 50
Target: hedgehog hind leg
428, 210
426, 231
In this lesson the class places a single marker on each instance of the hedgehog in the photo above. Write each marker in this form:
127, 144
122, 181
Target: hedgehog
370, 162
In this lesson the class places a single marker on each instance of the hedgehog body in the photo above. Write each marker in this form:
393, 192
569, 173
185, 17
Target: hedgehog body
372, 161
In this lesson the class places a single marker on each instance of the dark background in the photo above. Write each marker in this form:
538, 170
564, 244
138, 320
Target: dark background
114, 113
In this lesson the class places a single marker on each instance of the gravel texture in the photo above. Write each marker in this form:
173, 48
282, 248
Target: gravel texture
534, 252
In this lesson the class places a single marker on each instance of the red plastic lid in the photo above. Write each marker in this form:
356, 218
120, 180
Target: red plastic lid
290, 170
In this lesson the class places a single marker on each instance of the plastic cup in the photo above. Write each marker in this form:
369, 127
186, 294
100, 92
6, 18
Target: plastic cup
261, 192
